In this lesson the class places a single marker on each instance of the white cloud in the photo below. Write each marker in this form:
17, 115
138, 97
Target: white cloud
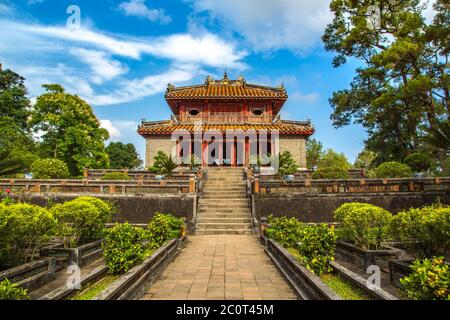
204, 49
272, 24
307, 98
102, 66
114, 133
138, 8
132, 90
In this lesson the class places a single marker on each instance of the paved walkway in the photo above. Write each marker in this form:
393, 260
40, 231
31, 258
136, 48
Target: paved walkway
221, 267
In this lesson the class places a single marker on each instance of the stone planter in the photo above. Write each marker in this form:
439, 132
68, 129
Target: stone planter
365, 258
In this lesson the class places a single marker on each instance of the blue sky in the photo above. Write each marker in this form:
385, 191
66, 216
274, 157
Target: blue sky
125, 52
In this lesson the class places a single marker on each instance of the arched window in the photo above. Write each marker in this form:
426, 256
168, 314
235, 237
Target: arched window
258, 112
194, 112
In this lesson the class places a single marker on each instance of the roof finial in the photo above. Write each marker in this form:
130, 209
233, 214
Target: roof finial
225, 75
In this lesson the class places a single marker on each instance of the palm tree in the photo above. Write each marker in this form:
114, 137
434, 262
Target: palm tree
438, 139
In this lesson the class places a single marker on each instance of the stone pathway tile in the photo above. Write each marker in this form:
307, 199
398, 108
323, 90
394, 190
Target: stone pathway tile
221, 267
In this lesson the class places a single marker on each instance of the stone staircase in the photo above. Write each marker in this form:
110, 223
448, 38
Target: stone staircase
223, 207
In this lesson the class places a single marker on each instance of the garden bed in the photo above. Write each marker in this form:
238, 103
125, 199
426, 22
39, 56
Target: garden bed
136, 280
365, 258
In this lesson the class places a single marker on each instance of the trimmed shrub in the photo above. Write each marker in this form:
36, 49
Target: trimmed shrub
393, 170
285, 231
425, 231
124, 247
116, 176
365, 225
105, 208
316, 245
12, 291
331, 173
49, 169
429, 280
163, 227
24, 228
419, 161
81, 218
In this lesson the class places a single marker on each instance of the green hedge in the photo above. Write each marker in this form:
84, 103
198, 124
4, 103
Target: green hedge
393, 170
12, 291
24, 228
429, 280
363, 224
426, 231
116, 176
314, 243
81, 218
49, 169
331, 173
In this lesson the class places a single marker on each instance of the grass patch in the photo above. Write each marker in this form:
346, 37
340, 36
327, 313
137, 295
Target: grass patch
343, 288
336, 283
91, 290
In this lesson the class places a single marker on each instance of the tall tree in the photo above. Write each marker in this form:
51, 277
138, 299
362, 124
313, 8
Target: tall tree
16, 148
332, 158
71, 131
123, 156
365, 159
13, 98
402, 89
314, 152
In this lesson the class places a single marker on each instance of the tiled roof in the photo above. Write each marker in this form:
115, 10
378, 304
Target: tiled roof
167, 127
225, 89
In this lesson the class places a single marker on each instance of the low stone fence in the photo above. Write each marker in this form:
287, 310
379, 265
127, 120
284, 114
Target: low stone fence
80, 256
188, 185
351, 185
32, 275
145, 175
307, 174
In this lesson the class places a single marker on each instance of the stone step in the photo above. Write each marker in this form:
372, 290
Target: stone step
228, 197
224, 220
225, 210
223, 231
226, 226
216, 215
227, 202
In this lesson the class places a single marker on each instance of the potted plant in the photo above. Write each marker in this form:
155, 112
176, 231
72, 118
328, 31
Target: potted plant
195, 163
255, 163
363, 231
163, 165
287, 166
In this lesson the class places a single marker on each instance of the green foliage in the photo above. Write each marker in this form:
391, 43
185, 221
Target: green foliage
331, 173
163, 227
419, 161
82, 218
393, 170
12, 291
123, 156
105, 208
284, 231
163, 164
429, 280
401, 89
365, 159
316, 245
116, 176
14, 103
333, 159
72, 131
124, 247
49, 169
16, 148
365, 225
314, 152
426, 231
287, 165
24, 228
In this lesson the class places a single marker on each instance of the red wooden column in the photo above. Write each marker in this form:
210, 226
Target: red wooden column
204, 155
247, 152
233, 154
